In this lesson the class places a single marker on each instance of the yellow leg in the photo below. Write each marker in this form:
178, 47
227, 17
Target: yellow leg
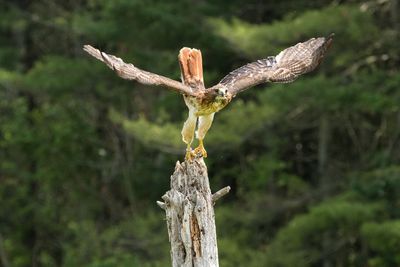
188, 133
200, 149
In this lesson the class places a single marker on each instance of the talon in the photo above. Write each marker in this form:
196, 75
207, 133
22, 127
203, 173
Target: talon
200, 150
190, 154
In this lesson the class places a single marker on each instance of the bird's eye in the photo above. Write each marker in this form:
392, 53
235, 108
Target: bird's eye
226, 91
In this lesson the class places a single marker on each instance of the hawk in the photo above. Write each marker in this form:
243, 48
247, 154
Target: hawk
204, 102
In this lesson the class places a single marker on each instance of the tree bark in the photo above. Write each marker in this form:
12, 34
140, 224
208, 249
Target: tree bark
189, 207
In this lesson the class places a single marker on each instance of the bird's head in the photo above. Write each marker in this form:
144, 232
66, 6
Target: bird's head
218, 95
221, 94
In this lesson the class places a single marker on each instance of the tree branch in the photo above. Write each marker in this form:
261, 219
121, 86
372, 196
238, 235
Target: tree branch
220, 193
161, 204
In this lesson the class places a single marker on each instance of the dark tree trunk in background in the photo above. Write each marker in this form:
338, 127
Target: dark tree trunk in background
3, 255
323, 147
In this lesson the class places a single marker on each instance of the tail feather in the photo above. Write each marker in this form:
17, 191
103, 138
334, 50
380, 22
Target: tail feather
191, 64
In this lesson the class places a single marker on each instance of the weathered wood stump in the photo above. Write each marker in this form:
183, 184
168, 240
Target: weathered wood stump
189, 207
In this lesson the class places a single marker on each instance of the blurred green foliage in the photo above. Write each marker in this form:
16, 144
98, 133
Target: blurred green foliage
314, 165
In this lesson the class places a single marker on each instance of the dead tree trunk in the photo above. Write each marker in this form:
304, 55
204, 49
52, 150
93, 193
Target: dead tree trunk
189, 207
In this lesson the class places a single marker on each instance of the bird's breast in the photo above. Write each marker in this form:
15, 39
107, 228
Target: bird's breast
205, 107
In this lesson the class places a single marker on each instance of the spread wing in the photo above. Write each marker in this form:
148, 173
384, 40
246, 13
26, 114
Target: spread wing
130, 72
283, 68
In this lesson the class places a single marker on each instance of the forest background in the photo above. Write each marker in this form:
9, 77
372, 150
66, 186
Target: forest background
314, 165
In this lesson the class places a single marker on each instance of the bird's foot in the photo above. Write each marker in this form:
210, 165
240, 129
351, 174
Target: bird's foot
190, 154
200, 150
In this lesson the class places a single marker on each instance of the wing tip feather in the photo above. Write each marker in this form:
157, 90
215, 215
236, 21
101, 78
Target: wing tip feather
329, 39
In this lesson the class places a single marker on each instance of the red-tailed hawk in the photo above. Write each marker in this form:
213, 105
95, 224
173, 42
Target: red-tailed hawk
204, 102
